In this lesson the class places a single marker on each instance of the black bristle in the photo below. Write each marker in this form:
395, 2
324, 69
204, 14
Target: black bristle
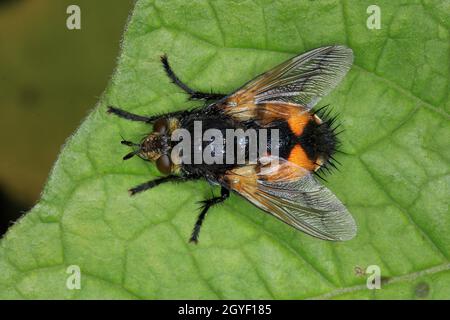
337, 126
342, 152
332, 128
317, 174
334, 160
326, 167
331, 163
320, 111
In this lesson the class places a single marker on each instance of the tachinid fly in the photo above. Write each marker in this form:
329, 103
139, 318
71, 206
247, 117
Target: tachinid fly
282, 183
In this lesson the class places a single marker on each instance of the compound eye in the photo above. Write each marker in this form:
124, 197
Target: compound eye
161, 125
164, 164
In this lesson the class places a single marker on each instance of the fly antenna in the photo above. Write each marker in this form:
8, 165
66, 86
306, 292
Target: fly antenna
129, 143
131, 154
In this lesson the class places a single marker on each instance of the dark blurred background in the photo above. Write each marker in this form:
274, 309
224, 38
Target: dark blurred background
50, 77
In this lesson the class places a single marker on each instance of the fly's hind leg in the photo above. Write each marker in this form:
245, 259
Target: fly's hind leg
206, 205
192, 93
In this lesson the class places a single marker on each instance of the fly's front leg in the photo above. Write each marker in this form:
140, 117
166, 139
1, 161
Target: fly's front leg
206, 205
135, 117
153, 183
192, 93
130, 116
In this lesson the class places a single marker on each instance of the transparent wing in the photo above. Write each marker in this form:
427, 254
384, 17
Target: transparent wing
302, 80
293, 195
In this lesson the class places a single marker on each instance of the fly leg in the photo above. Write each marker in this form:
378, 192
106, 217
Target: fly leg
206, 204
196, 95
131, 116
153, 183
135, 117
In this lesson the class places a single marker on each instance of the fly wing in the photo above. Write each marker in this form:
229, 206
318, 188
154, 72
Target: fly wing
302, 80
293, 195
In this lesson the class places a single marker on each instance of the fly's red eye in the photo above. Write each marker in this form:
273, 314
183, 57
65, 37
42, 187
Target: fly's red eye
161, 125
164, 164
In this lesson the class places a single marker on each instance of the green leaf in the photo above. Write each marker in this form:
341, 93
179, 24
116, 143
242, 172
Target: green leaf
394, 178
